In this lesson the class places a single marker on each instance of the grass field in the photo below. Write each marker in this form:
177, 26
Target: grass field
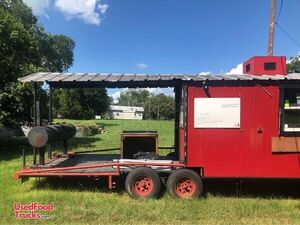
90, 202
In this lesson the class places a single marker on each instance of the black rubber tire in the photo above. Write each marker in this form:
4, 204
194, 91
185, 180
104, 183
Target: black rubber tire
137, 173
180, 174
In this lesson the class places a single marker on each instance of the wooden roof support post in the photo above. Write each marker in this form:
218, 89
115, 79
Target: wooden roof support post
50, 121
34, 117
50, 105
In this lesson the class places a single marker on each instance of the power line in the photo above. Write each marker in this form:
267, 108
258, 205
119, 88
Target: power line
288, 35
279, 12
282, 29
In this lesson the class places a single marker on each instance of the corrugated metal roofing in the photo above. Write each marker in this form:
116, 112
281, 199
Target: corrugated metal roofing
105, 80
105, 77
126, 108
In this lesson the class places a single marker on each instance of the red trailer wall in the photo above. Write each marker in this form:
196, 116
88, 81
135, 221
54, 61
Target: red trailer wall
242, 152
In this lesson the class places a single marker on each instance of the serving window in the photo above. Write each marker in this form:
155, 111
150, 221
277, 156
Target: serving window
290, 111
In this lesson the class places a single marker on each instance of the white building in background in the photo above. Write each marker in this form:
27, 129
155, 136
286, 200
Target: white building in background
126, 112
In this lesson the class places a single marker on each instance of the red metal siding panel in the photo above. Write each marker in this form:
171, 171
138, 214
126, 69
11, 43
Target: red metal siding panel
244, 152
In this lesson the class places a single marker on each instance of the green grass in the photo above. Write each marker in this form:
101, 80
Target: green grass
90, 202
112, 138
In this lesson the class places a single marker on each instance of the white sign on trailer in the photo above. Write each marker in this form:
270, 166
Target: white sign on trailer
217, 112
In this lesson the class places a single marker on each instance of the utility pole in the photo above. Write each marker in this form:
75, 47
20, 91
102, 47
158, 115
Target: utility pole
272, 28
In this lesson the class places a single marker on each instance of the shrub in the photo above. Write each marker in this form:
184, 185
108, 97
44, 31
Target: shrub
90, 130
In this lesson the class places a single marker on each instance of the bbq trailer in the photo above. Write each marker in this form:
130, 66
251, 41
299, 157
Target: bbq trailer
226, 126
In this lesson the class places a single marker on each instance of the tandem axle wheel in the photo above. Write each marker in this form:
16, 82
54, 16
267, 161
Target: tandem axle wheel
184, 183
144, 182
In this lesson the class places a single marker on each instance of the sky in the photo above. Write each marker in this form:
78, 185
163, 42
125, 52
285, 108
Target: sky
168, 36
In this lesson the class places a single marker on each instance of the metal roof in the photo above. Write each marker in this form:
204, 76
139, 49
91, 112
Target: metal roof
126, 108
124, 80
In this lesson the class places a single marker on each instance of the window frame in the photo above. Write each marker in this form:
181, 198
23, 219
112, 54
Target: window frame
248, 67
267, 66
282, 89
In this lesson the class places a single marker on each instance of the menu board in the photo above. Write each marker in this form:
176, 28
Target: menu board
217, 112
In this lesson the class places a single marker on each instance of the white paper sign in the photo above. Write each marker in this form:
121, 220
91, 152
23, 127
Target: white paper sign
217, 112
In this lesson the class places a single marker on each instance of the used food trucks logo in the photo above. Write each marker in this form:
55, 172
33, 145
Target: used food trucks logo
32, 210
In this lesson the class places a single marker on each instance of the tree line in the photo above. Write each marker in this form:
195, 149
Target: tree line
158, 107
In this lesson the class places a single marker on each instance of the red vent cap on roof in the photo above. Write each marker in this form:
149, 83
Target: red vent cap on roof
265, 65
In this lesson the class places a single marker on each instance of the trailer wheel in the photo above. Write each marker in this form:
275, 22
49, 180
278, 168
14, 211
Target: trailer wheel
143, 182
184, 183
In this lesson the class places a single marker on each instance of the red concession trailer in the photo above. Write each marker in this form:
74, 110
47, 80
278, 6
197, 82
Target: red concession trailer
226, 126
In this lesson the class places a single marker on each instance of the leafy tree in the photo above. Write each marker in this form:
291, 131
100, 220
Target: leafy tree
56, 52
136, 97
294, 65
18, 48
157, 107
110, 100
160, 107
81, 103
26, 48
